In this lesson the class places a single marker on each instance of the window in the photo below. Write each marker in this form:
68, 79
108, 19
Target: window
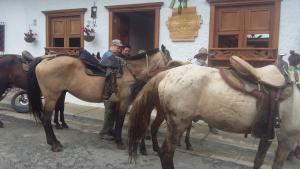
2, 37
64, 31
245, 28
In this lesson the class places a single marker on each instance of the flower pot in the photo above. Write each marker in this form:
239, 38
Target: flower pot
29, 39
89, 38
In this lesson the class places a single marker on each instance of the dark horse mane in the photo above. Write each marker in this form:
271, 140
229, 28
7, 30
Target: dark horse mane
143, 54
294, 58
12, 61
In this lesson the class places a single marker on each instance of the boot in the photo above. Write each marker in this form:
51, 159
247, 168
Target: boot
297, 152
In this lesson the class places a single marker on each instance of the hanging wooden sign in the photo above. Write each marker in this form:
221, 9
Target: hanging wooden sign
184, 27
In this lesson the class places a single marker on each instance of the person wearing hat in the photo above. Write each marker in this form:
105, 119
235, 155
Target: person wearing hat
280, 63
110, 60
201, 57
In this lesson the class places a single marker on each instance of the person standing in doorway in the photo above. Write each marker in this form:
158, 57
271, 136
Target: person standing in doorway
109, 59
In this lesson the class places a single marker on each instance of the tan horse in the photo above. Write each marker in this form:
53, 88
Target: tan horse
189, 93
50, 77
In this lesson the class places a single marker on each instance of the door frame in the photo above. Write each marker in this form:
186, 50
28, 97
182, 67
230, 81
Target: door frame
136, 8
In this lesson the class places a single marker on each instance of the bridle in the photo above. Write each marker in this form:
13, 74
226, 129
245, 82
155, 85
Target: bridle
164, 58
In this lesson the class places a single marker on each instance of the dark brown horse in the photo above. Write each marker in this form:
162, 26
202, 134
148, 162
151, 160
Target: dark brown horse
52, 76
13, 73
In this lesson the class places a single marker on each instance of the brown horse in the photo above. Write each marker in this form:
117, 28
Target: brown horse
13, 73
51, 76
190, 93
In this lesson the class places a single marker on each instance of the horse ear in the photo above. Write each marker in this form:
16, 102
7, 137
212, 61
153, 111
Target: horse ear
292, 52
163, 48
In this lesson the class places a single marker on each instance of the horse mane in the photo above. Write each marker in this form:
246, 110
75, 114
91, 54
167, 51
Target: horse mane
12, 61
10, 55
136, 87
143, 54
294, 58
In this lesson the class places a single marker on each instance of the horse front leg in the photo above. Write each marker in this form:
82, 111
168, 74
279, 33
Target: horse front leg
187, 138
46, 121
283, 149
121, 113
263, 147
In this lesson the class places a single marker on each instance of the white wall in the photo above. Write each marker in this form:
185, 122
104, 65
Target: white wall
18, 14
289, 36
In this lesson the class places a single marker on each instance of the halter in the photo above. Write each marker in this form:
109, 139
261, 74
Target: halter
164, 57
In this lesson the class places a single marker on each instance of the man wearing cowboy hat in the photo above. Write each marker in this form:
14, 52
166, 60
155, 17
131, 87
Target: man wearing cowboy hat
201, 57
110, 60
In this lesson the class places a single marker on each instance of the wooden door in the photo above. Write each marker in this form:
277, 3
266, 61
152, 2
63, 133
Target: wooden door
120, 28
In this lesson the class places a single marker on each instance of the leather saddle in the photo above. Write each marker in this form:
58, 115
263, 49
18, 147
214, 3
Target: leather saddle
265, 84
92, 65
269, 75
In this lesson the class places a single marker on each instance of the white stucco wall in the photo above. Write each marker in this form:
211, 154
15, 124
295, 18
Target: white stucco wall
18, 14
289, 36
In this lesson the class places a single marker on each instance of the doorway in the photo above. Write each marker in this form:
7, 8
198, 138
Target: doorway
136, 25
135, 28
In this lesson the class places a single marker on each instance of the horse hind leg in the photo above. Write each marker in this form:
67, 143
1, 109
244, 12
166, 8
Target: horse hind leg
155, 127
166, 153
46, 121
261, 153
283, 149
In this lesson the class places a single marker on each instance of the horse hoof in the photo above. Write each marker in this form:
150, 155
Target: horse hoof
144, 152
214, 131
64, 125
57, 148
155, 149
148, 137
121, 146
58, 126
190, 148
297, 152
290, 156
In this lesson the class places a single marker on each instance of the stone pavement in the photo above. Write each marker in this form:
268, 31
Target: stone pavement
224, 146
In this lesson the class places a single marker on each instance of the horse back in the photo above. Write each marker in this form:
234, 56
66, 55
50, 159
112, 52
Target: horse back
195, 92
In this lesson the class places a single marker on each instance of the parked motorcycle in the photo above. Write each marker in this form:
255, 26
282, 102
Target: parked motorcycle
19, 101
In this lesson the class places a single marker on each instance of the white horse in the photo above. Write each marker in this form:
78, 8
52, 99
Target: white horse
190, 93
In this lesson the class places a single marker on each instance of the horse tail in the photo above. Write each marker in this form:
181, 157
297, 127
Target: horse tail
140, 113
34, 92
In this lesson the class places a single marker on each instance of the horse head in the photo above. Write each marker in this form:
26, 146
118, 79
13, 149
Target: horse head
166, 53
11, 72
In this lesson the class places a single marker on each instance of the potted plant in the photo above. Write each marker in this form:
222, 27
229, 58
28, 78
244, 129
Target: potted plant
89, 33
30, 36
